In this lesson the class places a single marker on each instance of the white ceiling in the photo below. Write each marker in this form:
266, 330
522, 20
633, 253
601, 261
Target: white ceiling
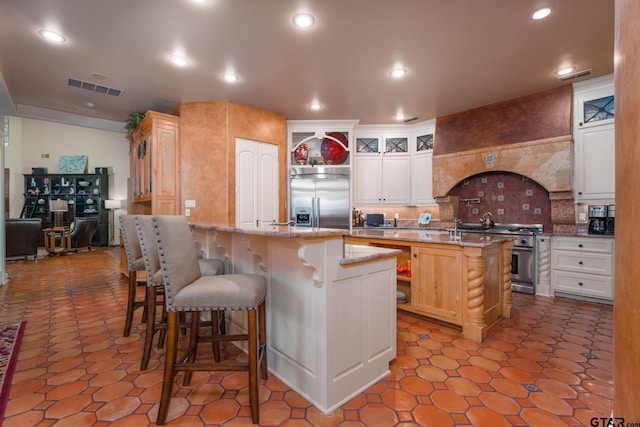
459, 54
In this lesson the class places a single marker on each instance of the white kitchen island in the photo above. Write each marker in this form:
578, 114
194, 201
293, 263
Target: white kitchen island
331, 307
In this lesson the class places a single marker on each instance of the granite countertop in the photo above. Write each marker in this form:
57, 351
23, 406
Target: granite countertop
359, 253
430, 236
267, 229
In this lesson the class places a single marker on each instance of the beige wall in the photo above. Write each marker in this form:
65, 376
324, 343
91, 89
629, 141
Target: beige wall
29, 139
626, 335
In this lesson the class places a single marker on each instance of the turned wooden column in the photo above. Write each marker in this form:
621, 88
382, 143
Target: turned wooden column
474, 326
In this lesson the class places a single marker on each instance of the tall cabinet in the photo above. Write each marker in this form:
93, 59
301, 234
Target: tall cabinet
155, 167
85, 195
594, 134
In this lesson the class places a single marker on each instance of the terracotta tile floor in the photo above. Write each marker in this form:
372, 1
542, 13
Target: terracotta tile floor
550, 365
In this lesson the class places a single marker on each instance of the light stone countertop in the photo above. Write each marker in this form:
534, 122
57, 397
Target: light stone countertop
269, 230
431, 236
359, 253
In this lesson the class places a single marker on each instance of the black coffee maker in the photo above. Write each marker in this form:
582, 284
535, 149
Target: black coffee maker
597, 219
610, 225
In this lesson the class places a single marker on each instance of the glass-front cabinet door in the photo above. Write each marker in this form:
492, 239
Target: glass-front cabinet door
424, 143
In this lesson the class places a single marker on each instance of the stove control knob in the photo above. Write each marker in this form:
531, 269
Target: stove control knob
523, 241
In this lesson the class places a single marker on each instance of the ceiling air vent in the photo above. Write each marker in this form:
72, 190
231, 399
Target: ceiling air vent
575, 75
410, 119
94, 87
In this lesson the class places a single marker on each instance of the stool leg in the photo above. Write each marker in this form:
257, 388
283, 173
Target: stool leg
151, 324
253, 365
169, 364
130, 303
262, 339
193, 345
215, 332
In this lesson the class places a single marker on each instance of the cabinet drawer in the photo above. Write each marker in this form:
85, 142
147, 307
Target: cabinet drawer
582, 262
582, 244
582, 284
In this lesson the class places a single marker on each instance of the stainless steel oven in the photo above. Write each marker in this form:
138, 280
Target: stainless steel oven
523, 251
523, 264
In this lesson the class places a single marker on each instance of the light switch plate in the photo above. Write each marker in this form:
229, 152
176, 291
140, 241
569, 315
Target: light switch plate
582, 217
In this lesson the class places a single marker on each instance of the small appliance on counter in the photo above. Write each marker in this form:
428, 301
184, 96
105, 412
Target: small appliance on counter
597, 219
375, 220
609, 227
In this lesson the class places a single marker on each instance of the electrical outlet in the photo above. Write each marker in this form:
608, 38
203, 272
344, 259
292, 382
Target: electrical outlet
582, 217
187, 212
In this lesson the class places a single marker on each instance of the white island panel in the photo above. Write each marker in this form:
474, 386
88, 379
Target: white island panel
331, 319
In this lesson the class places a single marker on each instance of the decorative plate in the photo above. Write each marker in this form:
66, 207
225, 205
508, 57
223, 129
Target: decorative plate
332, 152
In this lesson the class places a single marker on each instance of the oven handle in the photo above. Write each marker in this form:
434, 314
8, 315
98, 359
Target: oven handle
523, 248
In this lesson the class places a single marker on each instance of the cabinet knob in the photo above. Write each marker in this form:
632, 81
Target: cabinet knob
580, 245
580, 263
579, 283
580, 124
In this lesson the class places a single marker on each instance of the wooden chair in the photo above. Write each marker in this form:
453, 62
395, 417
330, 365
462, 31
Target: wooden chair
186, 290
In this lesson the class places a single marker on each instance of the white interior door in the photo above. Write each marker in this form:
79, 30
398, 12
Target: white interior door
257, 189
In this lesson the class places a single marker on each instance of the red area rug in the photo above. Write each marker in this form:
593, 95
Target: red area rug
10, 341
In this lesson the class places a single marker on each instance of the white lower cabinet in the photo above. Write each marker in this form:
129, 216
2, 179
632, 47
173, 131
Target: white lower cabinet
582, 266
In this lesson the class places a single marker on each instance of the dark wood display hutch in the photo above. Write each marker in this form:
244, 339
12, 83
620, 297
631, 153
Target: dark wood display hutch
84, 193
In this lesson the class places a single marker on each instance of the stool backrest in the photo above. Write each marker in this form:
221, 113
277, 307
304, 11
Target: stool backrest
147, 237
177, 253
131, 241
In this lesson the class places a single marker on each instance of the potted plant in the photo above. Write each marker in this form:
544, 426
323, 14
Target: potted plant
132, 123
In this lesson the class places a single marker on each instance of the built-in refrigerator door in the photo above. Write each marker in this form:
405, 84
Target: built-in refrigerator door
303, 193
332, 203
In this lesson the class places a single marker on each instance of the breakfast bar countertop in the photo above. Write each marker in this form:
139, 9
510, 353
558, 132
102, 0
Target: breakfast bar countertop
267, 229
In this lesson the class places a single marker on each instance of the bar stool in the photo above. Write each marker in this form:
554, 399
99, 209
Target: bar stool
188, 291
135, 263
155, 287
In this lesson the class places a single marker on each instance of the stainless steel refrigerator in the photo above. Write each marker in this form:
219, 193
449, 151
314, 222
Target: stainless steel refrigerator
320, 197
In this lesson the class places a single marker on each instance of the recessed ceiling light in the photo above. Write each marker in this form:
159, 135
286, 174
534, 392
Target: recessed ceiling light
303, 20
88, 104
541, 13
52, 36
397, 73
230, 77
399, 116
315, 106
200, 1
179, 60
98, 76
565, 71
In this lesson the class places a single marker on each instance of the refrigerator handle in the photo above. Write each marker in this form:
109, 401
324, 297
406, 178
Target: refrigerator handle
317, 212
314, 214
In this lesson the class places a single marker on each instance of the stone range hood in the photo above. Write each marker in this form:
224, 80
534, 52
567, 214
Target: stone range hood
529, 136
545, 161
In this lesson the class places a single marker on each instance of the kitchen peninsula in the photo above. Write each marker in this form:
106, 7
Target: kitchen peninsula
331, 307
464, 280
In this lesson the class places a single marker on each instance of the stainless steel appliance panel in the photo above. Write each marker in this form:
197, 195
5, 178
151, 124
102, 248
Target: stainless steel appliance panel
325, 192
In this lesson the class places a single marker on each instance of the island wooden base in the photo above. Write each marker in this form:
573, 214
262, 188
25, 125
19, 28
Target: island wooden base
465, 284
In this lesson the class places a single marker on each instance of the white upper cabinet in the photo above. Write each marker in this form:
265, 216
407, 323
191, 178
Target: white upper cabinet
382, 165
422, 139
594, 135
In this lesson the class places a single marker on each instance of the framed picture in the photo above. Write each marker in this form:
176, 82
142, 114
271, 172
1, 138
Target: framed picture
72, 164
